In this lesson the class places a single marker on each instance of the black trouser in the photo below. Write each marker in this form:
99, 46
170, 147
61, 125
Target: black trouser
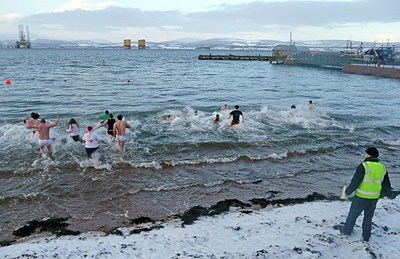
90, 151
357, 206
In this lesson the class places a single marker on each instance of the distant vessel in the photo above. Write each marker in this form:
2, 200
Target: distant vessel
203, 47
23, 41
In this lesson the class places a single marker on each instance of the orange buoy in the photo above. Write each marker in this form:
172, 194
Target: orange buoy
8, 82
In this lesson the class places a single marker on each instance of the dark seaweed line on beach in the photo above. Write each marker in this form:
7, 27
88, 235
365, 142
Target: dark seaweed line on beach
58, 226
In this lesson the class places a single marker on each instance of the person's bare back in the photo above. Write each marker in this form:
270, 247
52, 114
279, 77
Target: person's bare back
120, 127
43, 130
119, 132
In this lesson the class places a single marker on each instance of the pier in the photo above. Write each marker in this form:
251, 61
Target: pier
277, 59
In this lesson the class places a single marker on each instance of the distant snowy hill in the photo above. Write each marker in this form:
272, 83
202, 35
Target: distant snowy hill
214, 43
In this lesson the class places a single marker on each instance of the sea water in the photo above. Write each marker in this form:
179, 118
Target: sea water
169, 167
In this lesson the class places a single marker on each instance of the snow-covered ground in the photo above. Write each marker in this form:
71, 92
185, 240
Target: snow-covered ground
296, 231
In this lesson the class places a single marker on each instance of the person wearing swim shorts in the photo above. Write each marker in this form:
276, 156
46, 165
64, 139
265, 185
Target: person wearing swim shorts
43, 130
236, 116
121, 138
44, 142
91, 141
119, 132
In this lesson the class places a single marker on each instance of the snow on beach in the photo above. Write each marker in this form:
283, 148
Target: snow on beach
295, 231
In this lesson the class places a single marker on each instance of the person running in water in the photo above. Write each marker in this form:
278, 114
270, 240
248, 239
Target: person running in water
73, 129
236, 116
119, 132
91, 141
217, 119
33, 120
43, 130
110, 125
311, 105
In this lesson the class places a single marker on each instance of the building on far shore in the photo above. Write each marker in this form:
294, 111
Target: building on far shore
127, 43
286, 50
142, 44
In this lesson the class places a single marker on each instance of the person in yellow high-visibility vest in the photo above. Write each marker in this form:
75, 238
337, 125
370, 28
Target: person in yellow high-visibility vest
369, 182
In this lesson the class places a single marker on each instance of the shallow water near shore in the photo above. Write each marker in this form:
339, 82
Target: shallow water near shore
170, 167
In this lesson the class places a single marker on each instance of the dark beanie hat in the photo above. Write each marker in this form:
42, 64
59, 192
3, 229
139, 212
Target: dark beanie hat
372, 151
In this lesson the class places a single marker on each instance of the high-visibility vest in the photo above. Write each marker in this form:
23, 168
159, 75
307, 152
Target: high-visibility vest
370, 187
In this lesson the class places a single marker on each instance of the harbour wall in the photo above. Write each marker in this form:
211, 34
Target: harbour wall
390, 72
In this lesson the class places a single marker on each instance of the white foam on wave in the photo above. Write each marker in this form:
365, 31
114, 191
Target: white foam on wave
278, 156
391, 142
303, 118
158, 166
12, 134
95, 162
174, 187
203, 161
26, 196
45, 161
153, 164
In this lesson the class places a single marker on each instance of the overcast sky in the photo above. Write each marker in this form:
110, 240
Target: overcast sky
161, 20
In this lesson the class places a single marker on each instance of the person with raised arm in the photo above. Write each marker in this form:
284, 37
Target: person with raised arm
43, 130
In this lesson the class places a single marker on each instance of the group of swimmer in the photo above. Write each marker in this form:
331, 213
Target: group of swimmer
117, 129
236, 114
311, 107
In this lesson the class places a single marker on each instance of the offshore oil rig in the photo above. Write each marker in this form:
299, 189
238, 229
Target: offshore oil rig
23, 41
